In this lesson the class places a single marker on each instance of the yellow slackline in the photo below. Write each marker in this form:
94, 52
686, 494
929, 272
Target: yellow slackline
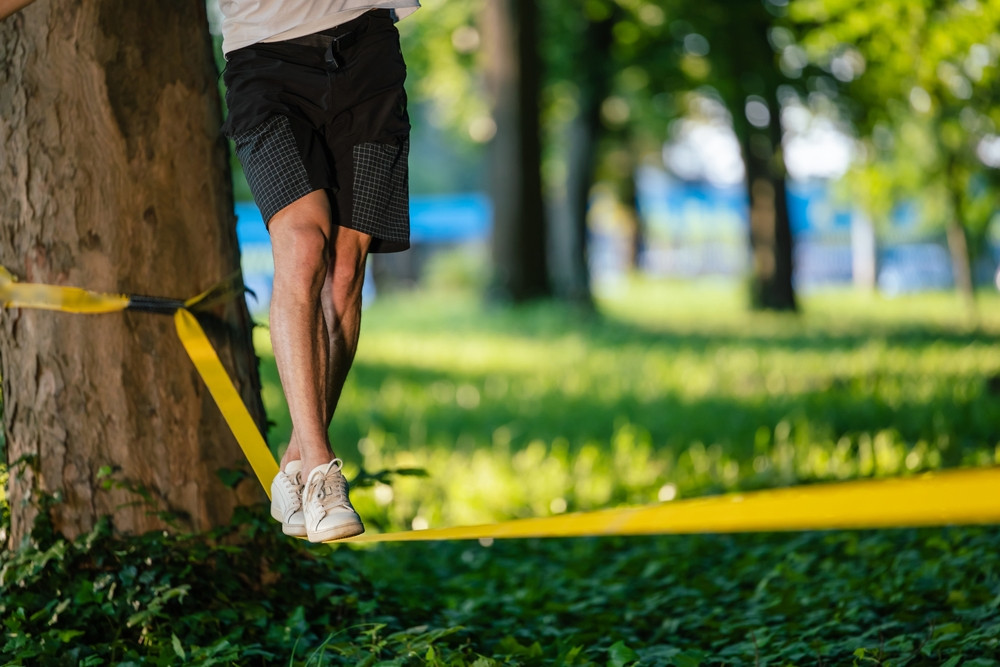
969, 496
226, 397
52, 297
952, 497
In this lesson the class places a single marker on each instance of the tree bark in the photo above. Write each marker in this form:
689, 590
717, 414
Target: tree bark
864, 253
521, 269
595, 69
958, 240
114, 177
772, 270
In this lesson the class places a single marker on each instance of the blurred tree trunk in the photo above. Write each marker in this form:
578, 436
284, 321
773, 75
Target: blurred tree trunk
958, 240
594, 67
771, 244
114, 177
864, 252
630, 199
521, 270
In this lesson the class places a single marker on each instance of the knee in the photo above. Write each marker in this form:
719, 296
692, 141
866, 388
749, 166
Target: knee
300, 249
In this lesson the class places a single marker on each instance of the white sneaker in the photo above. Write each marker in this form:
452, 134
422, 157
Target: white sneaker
328, 511
286, 500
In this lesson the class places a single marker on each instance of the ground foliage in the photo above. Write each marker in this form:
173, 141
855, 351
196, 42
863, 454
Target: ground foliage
903, 597
247, 595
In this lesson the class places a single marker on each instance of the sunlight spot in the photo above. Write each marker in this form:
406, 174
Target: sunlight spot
486, 541
696, 44
615, 110
988, 151
419, 523
383, 494
757, 111
467, 397
557, 506
482, 129
502, 437
465, 39
920, 100
366, 446
667, 493
651, 15
912, 460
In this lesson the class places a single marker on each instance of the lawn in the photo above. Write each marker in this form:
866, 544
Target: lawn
675, 392
460, 412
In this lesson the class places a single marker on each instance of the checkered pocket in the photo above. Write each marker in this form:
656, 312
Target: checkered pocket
273, 165
381, 190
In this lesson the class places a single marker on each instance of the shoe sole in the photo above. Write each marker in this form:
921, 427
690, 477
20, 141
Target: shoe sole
288, 529
337, 532
293, 531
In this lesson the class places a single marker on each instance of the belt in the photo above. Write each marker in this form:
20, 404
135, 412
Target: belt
340, 37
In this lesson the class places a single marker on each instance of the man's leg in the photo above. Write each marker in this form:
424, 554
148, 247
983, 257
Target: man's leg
346, 254
318, 269
342, 307
300, 242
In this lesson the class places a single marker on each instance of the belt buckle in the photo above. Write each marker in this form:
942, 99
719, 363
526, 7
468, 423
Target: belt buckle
332, 57
334, 60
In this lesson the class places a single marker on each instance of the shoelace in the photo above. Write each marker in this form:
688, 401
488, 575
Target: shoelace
293, 487
332, 486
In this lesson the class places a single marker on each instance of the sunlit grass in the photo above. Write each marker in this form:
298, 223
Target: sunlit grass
675, 391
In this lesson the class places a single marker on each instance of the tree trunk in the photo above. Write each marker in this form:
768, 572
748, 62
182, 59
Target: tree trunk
595, 71
771, 286
569, 224
114, 177
630, 200
864, 252
519, 240
958, 241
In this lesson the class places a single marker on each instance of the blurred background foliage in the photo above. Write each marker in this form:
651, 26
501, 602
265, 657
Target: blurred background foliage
908, 89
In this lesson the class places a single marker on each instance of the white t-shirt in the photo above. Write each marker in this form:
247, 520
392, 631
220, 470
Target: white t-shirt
246, 22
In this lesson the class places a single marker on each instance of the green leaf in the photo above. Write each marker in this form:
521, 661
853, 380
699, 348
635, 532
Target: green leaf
178, 648
688, 659
66, 636
620, 655
952, 661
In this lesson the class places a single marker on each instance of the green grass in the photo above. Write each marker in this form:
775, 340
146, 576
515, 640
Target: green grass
674, 390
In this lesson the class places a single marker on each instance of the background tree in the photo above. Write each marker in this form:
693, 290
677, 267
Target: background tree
629, 70
520, 251
580, 69
919, 83
113, 176
728, 47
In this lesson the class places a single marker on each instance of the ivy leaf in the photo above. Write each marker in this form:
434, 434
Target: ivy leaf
688, 659
620, 655
178, 648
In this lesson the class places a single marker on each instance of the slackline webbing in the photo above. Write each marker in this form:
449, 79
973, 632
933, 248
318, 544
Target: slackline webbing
965, 496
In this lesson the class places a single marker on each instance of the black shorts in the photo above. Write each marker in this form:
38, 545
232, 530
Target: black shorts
327, 112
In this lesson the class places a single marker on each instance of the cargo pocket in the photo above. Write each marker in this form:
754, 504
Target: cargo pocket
381, 190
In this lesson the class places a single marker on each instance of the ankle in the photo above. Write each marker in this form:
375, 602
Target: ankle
309, 464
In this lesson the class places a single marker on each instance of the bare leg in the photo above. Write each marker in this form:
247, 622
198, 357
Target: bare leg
336, 341
342, 307
300, 242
